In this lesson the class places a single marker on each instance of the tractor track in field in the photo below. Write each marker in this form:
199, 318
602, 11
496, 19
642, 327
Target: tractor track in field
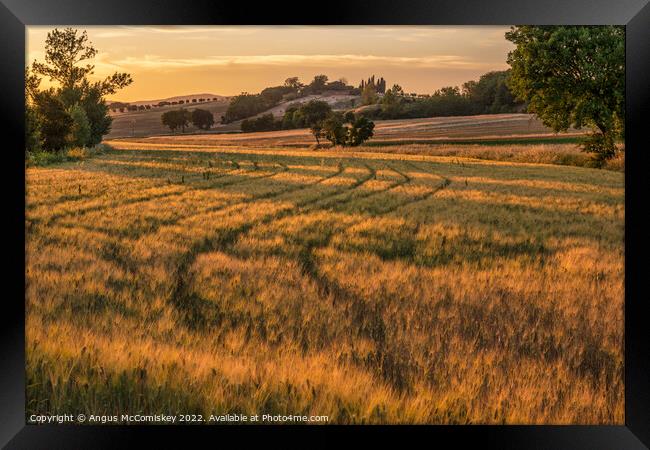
169, 222
198, 312
80, 212
117, 252
307, 258
369, 317
191, 306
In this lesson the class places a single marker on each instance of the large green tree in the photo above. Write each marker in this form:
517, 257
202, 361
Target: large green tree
68, 53
572, 76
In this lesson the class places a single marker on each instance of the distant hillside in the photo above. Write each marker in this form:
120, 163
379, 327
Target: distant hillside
336, 101
185, 99
147, 122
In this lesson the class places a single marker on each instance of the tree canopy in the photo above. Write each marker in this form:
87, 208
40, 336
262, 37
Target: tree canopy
75, 112
347, 129
175, 119
572, 76
314, 114
490, 94
202, 119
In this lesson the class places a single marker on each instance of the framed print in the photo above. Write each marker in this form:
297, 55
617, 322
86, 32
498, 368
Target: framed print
381, 219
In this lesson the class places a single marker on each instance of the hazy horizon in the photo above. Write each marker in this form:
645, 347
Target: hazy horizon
167, 61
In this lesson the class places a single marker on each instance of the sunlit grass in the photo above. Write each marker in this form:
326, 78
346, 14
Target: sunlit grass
370, 287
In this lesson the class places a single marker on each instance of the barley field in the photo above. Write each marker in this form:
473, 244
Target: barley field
371, 287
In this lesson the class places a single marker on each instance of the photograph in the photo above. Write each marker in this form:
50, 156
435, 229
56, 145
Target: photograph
325, 224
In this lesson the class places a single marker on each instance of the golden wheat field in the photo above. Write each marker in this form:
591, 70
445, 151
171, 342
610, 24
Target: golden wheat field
370, 287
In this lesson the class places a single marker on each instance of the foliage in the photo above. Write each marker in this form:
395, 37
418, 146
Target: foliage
67, 56
54, 122
378, 86
292, 118
64, 51
202, 119
573, 76
32, 130
293, 83
175, 119
347, 130
490, 94
334, 129
317, 85
243, 106
93, 103
70, 154
314, 113
392, 102
369, 95
273, 95
247, 105
361, 129
80, 130
262, 123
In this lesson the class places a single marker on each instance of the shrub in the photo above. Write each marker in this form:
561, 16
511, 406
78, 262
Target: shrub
44, 158
262, 123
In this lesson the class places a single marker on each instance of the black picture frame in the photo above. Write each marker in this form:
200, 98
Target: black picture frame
15, 15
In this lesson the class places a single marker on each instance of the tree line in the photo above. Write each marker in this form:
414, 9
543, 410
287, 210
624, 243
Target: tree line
489, 94
74, 113
124, 107
344, 129
247, 105
569, 76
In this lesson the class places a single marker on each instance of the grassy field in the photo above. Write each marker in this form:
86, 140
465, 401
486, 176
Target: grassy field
171, 277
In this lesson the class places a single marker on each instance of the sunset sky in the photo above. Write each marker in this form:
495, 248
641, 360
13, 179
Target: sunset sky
172, 60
